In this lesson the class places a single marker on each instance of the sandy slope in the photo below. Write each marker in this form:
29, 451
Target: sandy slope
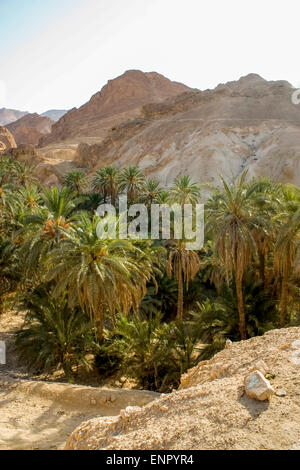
211, 410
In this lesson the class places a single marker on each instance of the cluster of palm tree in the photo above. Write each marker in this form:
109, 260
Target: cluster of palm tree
243, 281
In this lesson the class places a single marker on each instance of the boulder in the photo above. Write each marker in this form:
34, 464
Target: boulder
257, 387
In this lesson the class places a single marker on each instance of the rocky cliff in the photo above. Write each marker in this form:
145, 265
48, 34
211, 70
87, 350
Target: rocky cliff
6, 140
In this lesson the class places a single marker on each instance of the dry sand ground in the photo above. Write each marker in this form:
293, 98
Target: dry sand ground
37, 414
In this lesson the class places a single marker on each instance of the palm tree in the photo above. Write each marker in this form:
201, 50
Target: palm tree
132, 181
54, 335
184, 191
151, 193
232, 223
101, 275
287, 244
99, 183
75, 181
183, 265
46, 226
106, 182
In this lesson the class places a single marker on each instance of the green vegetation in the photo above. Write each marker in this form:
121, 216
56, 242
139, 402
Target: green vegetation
147, 309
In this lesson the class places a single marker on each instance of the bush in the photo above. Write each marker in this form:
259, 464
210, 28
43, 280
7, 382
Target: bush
55, 335
154, 353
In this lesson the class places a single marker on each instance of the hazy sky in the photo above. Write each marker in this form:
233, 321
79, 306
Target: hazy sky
57, 53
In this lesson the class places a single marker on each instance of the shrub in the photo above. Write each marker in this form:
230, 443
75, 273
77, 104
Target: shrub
55, 335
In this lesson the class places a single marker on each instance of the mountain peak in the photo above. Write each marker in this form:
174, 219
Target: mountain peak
119, 100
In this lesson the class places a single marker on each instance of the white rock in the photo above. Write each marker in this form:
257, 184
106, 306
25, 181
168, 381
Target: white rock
256, 386
280, 392
296, 344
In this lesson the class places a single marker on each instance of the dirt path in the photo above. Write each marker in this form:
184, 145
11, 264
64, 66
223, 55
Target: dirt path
36, 414
34, 423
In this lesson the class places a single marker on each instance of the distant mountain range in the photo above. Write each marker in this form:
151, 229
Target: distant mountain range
10, 115
54, 114
7, 116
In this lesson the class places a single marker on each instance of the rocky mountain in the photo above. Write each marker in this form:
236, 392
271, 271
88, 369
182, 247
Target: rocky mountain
30, 128
212, 410
55, 114
7, 140
118, 101
251, 123
10, 115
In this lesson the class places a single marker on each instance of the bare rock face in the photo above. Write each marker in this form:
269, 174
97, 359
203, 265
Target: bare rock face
251, 123
118, 101
30, 128
7, 140
257, 387
211, 410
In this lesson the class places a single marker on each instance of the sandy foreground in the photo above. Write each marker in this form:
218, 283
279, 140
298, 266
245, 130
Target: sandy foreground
40, 414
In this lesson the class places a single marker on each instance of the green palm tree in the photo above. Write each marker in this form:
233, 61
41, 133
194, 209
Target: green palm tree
106, 182
75, 181
54, 335
233, 220
287, 244
132, 181
103, 276
151, 193
184, 191
183, 264
46, 226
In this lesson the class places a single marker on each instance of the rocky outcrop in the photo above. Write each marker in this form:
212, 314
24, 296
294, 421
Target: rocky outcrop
7, 141
30, 128
211, 409
118, 101
10, 115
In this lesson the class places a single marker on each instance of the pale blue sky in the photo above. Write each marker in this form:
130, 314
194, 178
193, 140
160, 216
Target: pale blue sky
57, 53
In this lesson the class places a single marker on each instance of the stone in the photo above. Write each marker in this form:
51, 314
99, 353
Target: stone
280, 392
257, 387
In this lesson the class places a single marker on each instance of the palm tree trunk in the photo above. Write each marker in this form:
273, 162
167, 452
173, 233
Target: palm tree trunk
240, 302
100, 331
262, 267
283, 303
180, 296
